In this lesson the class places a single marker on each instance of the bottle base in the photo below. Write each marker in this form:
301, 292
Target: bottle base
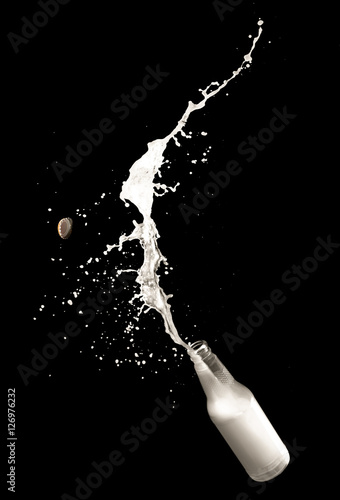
271, 470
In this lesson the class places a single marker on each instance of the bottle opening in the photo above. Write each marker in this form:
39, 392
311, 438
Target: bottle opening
198, 350
199, 346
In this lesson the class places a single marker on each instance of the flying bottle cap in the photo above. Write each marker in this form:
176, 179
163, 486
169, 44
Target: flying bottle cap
65, 228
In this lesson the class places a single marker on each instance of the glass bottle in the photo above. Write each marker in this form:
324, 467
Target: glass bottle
238, 416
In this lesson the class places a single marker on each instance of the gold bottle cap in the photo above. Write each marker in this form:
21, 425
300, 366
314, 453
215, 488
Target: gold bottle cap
65, 228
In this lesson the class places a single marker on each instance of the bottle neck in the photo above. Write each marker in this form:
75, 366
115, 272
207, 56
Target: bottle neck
204, 359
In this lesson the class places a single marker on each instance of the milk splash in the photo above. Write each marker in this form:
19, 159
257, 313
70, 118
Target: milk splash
140, 189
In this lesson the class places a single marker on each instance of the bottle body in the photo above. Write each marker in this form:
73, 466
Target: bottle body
252, 438
241, 421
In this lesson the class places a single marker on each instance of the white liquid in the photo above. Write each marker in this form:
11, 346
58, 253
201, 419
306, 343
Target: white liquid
139, 188
254, 441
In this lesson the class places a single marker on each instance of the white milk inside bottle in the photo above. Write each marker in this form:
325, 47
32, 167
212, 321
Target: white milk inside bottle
239, 418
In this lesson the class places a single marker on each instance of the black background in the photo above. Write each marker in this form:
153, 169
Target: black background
234, 252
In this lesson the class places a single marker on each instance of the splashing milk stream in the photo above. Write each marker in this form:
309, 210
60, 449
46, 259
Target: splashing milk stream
139, 188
